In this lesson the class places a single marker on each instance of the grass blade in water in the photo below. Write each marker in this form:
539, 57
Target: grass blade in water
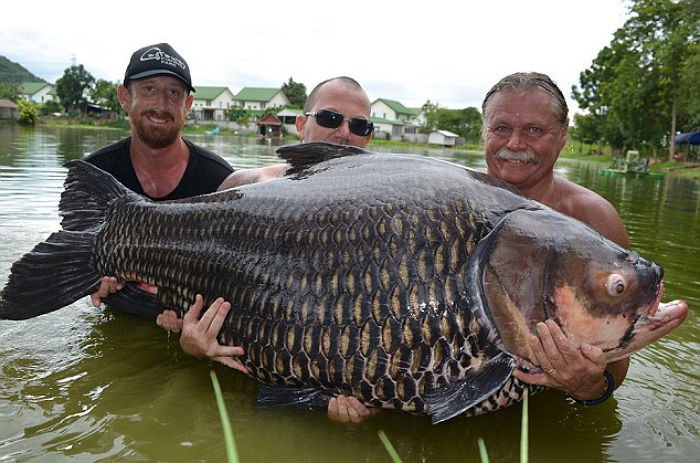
389, 448
231, 452
482, 451
524, 430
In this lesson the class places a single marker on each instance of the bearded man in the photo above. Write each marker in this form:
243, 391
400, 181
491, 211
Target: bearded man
155, 161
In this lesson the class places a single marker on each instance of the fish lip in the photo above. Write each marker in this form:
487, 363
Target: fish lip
660, 314
655, 306
649, 313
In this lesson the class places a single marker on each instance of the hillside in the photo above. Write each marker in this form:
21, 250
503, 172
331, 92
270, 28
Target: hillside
11, 72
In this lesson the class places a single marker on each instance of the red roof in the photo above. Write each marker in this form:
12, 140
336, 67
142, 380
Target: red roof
270, 119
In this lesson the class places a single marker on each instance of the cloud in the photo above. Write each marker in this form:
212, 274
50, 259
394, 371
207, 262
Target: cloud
446, 52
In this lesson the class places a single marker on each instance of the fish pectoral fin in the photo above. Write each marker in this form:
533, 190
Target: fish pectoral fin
453, 399
288, 396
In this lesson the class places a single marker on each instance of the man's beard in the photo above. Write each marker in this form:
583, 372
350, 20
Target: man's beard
157, 137
504, 154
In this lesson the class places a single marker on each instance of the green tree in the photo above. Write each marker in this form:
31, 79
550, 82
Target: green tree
27, 113
104, 94
241, 116
586, 129
296, 92
72, 89
464, 122
429, 109
635, 84
689, 94
50, 107
9, 91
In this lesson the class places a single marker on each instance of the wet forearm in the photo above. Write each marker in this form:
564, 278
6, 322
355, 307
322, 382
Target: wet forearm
619, 370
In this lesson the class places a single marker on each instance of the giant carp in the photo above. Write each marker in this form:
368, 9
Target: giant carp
408, 282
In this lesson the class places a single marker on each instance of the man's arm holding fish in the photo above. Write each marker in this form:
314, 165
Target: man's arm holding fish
577, 371
198, 334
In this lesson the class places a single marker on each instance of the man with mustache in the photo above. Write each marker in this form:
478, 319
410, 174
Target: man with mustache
155, 160
526, 123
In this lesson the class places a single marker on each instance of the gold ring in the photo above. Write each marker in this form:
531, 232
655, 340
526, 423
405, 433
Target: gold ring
551, 371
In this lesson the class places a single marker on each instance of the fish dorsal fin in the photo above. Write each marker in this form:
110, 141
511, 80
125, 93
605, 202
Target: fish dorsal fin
304, 155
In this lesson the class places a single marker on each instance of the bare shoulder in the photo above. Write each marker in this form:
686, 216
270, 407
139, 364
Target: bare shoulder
245, 176
592, 209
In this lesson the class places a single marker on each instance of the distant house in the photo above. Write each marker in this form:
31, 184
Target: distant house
387, 126
269, 126
212, 103
37, 92
392, 115
259, 98
288, 117
442, 137
8, 110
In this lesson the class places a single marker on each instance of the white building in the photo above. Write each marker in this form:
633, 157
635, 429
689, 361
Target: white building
36, 92
442, 137
212, 103
394, 118
288, 117
258, 98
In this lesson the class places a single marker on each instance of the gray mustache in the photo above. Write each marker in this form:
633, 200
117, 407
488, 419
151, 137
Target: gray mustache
522, 156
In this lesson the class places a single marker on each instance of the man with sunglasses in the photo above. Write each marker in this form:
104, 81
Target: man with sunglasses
336, 111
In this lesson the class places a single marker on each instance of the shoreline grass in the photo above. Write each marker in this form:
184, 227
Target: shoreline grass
573, 150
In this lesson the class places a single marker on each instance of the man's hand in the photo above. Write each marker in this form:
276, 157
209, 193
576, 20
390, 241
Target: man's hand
578, 372
348, 409
108, 285
199, 335
168, 320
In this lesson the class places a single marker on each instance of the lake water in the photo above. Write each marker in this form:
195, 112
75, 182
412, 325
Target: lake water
87, 385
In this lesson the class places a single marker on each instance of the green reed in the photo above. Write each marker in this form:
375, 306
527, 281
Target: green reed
524, 446
231, 452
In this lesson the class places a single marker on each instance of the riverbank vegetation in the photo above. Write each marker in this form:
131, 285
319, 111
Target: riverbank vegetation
575, 149
638, 93
642, 88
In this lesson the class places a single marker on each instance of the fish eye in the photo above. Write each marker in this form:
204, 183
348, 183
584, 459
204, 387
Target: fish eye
615, 285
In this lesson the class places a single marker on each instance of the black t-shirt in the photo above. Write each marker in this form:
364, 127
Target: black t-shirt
204, 173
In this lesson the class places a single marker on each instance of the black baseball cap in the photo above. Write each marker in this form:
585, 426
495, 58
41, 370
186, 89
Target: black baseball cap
158, 60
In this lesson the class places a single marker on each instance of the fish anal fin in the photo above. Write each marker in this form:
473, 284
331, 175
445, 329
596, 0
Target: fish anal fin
453, 399
135, 302
290, 396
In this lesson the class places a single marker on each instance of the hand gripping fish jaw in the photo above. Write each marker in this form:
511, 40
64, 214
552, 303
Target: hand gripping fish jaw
599, 293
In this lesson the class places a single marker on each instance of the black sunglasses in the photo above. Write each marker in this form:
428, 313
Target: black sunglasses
333, 120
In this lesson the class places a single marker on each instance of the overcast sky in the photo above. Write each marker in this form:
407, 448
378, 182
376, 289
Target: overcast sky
449, 52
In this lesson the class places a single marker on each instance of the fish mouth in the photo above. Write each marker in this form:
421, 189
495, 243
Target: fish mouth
654, 307
659, 320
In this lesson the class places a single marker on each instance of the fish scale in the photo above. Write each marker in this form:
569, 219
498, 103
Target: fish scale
407, 282
396, 252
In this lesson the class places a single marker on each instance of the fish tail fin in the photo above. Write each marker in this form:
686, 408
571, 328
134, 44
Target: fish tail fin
61, 270
54, 274
88, 190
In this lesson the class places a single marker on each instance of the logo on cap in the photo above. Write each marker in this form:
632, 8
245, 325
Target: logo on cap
155, 53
